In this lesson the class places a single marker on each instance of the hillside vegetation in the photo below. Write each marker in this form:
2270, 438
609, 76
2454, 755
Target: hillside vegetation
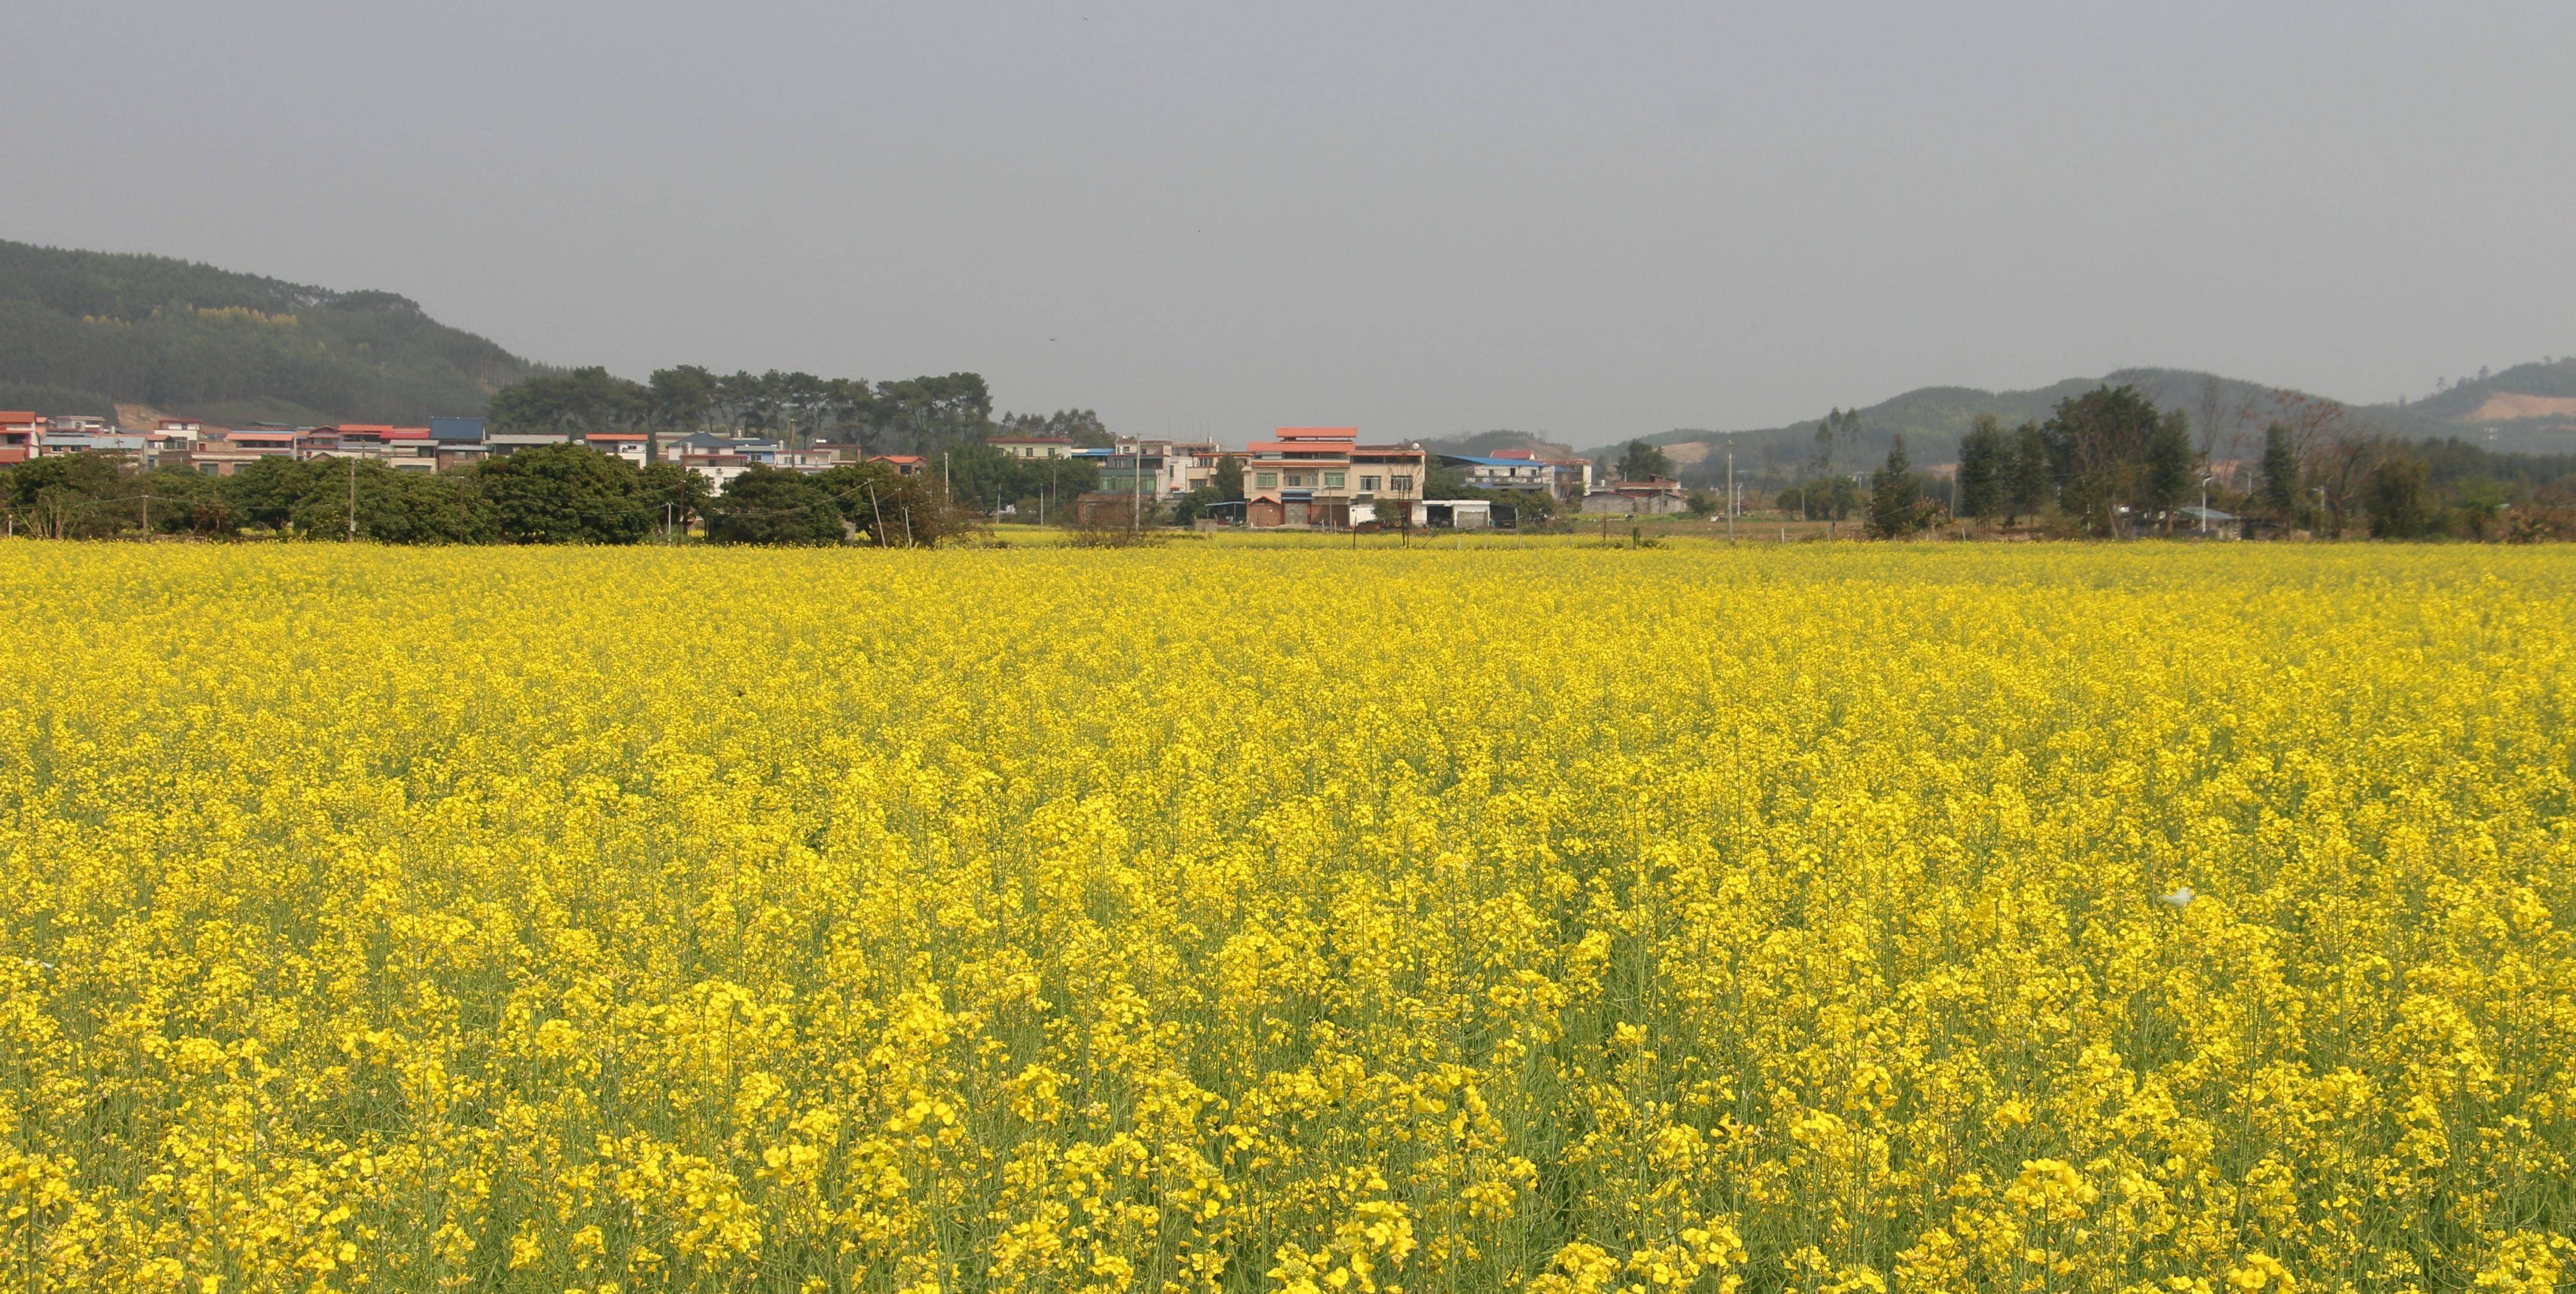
82, 331
2227, 414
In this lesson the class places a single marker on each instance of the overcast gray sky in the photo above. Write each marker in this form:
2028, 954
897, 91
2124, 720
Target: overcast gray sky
1594, 220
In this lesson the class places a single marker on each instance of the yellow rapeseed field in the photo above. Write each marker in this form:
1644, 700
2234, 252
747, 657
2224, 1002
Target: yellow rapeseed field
1551, 918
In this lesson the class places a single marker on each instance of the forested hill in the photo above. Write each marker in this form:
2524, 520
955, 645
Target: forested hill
2529, 408
81, 331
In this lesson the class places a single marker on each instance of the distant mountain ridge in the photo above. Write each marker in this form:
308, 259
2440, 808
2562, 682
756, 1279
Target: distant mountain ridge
81, 332
2529, 407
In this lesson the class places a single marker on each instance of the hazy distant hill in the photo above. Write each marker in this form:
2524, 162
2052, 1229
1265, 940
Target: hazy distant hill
1486, 442
80, 331
2527, 397
2530, 407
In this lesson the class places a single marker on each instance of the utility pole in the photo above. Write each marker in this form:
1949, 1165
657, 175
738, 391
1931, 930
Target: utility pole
147, 518
353, 500
1730, 492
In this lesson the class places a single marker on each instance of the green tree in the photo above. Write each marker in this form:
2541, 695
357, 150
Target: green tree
585, 399
1826, 496
2098, 445
1641, 461
398, 507
73, 496
567, 494
676, 495
681, 398
2167, 479
925, 414
2026, 479
766, 505
1229, 479
1894, 497
1191, 506
889, 509
1081, 426
2397, 499
186, 502
1983, 462
2278, 493
269, 491
1838, 428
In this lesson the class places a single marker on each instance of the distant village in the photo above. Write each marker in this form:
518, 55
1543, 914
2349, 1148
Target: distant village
1302, 477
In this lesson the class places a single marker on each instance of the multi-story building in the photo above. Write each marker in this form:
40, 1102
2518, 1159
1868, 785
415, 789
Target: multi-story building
1033, 446
457, 442
1197, 462
1310, 476
720, 470
1503, 472
409, 449
222, 453
93, 439
632, 446
504, 443
19, 431
172, 441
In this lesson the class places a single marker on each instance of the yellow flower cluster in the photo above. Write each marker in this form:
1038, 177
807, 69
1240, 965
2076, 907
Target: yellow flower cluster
1548, 917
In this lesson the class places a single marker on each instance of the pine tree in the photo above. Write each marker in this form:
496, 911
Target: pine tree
1982, 461
2026, 481
2279, 491
1893, 496
2169, 467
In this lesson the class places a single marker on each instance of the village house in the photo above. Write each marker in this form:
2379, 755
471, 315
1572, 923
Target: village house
171, 441
457, 442
408, 449
1311, 476
1655, 496
19, 430
633, 446
1033, 446
1510, 471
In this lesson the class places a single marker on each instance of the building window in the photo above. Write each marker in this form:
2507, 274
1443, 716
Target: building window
1265, 480
1296, 479
1368, 485
1400, 483
1332, 480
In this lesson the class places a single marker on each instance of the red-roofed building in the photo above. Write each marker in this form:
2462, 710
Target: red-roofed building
904, 464
19, 430
411, 449
1310, 476
633, 446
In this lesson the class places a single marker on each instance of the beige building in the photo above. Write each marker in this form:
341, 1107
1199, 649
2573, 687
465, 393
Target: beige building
1033, 446
1310, 476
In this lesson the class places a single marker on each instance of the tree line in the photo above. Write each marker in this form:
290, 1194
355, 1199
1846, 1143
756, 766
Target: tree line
554, 494
912, 416
2109, 464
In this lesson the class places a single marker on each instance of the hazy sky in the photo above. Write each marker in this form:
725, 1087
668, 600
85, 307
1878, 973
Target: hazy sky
1595, 220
